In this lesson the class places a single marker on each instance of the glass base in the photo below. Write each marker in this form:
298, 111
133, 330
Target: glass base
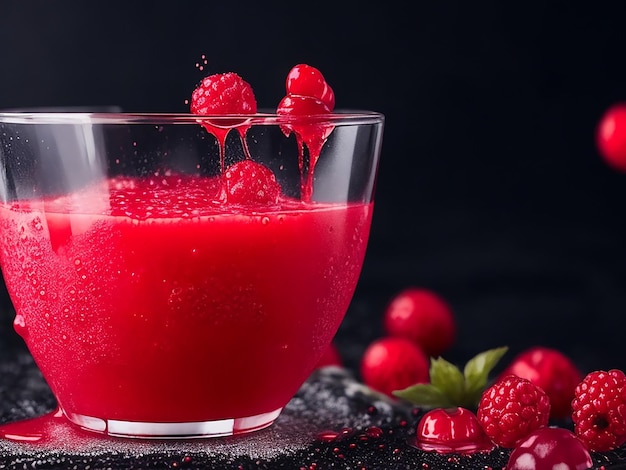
187, 430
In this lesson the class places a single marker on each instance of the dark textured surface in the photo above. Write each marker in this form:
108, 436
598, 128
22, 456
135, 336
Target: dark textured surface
333, 422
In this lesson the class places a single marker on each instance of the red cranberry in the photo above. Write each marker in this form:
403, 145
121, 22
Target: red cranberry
550, 448
423, 317
611, 136
551, 370
390, 364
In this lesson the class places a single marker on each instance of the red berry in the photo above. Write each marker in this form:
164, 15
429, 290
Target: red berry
305, 80
611, 136
550, 448
390, 364
331, 357
423, 317
248, 182
225, 93
301, 111
301, 105
511, 409
446, 430
551, 370
599, 410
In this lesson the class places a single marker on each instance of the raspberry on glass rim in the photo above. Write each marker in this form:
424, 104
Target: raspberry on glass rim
221, 94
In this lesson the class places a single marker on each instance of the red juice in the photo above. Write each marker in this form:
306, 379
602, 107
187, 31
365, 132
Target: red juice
146, 300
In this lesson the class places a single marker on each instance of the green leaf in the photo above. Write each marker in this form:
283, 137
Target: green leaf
425, 396
447, 378
477, 371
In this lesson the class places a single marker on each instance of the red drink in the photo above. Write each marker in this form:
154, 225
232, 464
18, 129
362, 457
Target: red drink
144, 300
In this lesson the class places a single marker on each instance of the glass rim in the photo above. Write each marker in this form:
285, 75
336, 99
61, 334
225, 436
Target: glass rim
336, 118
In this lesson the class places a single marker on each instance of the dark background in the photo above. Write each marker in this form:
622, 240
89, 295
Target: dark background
490, 192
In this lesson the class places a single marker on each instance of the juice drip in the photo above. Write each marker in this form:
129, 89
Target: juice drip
313, 137
306, 172
310, 136
220, 133
244, 142
41, 430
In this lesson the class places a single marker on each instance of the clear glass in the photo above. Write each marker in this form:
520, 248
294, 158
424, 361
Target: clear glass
159, 290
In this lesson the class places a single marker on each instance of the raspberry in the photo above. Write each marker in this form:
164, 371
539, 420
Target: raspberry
305, 80
248, 182
390, 364
423, 317
451, 430
551, 370
550, 448
599, 410
225, 93
511, 409
611, 136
